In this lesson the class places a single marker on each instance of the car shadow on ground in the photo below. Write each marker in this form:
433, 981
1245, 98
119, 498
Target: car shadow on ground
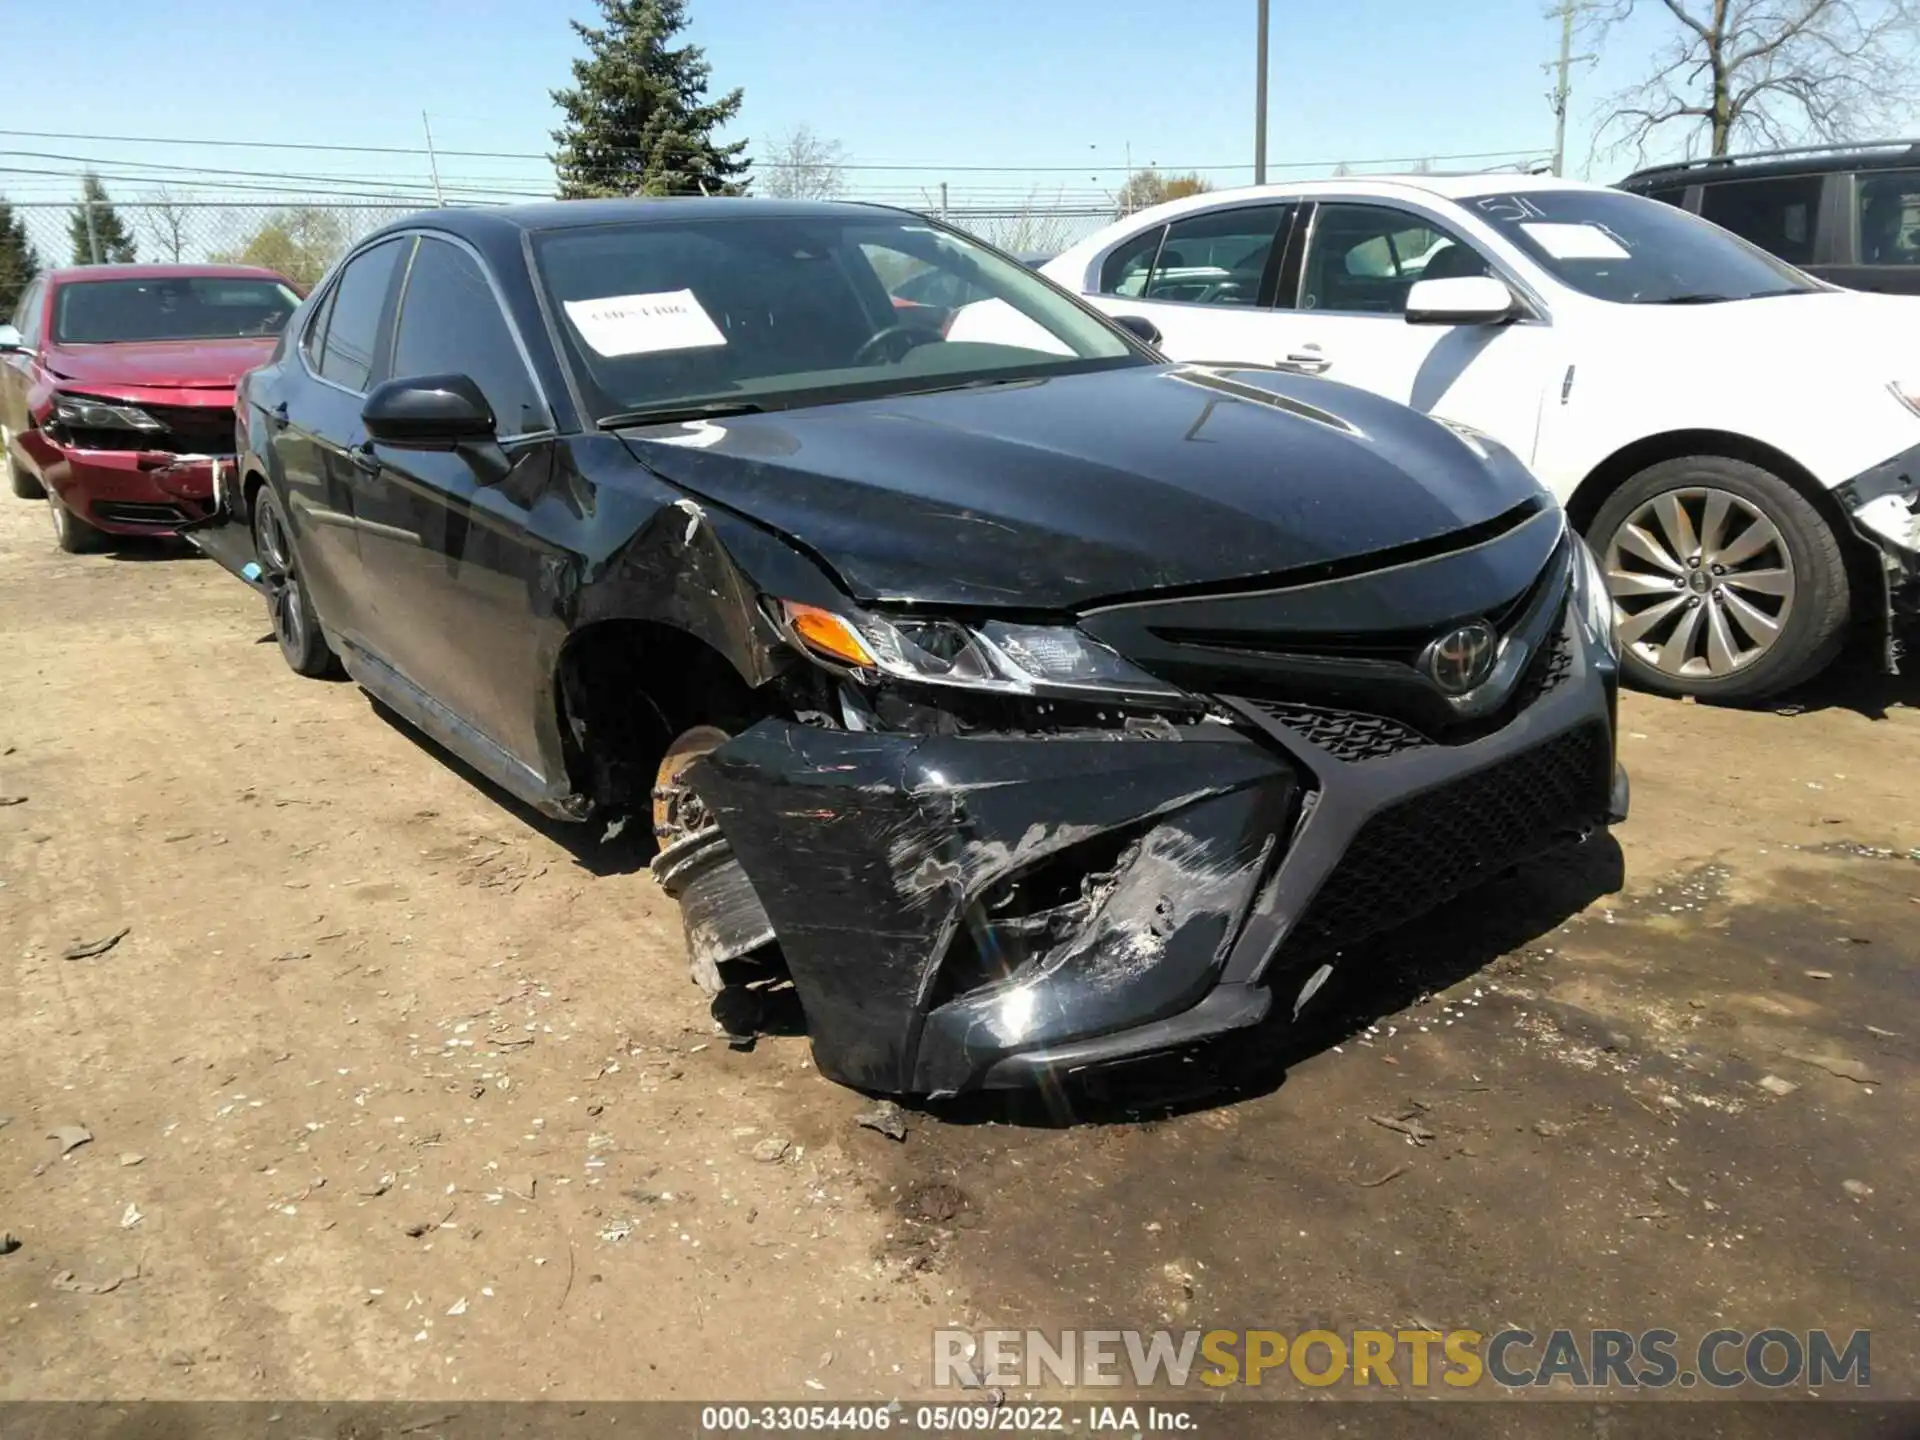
1380, 977
1857, 684
142, 548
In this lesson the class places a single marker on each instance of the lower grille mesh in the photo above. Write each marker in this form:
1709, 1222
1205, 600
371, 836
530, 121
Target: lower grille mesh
1346, 735
1430, 847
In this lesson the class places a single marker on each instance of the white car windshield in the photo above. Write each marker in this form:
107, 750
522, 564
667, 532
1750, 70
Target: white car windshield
1635, 251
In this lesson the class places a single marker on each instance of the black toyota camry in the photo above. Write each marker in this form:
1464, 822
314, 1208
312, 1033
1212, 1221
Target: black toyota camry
1037, 704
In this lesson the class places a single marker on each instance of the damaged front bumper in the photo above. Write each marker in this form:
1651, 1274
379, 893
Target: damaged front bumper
987, 910
1884, 505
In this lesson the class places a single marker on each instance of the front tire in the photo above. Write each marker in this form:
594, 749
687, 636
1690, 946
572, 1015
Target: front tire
295, 624
1728, 584
70, 532
19, 481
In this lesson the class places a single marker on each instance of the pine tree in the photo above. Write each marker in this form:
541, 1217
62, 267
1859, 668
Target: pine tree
18, 259
638, 121
115, 245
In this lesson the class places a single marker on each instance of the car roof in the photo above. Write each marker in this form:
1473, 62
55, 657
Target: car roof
1757, 164
68, 273
1368, 187
490, 222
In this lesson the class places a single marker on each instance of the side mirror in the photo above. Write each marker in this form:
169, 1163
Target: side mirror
1139, 327
10, 340
428, 412
1461, 300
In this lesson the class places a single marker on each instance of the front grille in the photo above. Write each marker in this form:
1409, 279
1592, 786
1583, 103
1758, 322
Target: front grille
1430, 847
190, 430
1550, 668
1346, 735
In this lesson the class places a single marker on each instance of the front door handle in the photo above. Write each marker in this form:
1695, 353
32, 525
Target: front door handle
364, 459
278, 415
1307, 360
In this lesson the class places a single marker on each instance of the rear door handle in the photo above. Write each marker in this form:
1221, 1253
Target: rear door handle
1307, 360
364, 459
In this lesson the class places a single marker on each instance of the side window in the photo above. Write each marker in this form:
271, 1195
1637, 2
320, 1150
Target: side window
1674, 195
26, 315
1776, 215
1363, 259
353, 319
1125, 270
450, 324
1889, 202
316, 334
1216, 258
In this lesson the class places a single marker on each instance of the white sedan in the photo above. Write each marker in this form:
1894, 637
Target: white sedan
1739, 442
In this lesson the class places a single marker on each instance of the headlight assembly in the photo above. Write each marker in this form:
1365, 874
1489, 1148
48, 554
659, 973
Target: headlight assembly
84, 412
993, 656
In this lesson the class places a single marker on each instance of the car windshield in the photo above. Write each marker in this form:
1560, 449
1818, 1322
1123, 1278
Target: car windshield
769, 311
1636, 251
171, 307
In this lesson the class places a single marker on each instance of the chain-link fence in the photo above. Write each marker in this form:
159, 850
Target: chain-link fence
302, 237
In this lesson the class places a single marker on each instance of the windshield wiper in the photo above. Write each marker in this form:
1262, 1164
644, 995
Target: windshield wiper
667, 414
1699, 299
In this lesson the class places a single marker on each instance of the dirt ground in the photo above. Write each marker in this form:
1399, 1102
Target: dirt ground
395, 1092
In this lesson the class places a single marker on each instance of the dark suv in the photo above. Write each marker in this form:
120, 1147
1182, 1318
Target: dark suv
1849, 214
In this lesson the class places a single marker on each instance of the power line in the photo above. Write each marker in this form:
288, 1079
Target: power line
922, 165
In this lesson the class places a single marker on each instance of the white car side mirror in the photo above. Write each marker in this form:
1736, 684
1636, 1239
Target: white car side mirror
1461, 300
9, 338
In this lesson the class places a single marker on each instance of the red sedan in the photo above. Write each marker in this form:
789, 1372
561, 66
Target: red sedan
117, 386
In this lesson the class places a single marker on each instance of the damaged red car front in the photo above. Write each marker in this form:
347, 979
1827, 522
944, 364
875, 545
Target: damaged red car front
117, 390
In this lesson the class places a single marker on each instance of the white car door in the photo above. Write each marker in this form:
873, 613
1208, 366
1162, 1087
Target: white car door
1204, 281
1347, 322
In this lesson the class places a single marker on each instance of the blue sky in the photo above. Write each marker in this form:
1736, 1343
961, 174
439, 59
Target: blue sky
929, 84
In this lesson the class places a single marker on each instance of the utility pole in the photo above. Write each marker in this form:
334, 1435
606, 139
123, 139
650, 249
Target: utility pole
1260, 96
1567, 10
433, 162
93, 239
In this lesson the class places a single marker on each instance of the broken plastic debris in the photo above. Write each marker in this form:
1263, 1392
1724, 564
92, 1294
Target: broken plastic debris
768, 1151
519, 1186
131, 1216
886, 1117
131, 1158
71, 1137
87, 949
1774, 1085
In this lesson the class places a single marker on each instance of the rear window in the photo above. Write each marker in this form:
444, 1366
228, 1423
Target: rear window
172, 307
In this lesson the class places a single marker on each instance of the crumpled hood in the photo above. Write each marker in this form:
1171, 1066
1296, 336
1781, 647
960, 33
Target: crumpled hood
1051, 494
161, 364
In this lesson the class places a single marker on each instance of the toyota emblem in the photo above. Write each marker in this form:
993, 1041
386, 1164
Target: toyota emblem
1461, 660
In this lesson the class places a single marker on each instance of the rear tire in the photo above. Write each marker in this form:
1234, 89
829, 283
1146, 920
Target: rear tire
70, 532
18, 480
1728, 583
295, 623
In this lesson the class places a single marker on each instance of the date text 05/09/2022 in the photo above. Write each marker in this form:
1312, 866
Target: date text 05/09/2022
946, 1419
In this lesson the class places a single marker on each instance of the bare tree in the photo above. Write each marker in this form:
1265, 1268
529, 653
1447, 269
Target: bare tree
1765, 71
801, 165
165, 221
1151, 187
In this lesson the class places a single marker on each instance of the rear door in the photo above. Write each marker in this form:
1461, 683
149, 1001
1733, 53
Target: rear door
1779, 213
315, 430
1206, 281
1348, 321
457, 585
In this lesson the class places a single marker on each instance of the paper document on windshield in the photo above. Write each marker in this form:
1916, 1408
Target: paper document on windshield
1575, 242
616, 325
